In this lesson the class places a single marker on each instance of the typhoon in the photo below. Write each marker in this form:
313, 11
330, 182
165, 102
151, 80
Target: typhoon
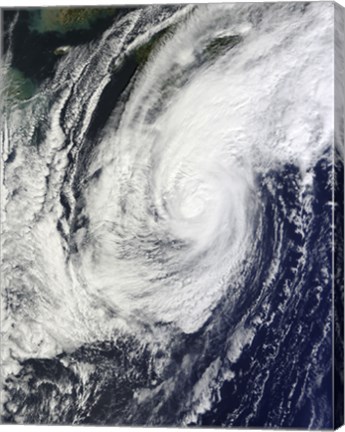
167, 206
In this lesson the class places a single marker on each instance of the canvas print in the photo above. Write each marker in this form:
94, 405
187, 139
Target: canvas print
172, 215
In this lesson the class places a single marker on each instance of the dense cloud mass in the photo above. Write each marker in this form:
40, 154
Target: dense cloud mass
167, 213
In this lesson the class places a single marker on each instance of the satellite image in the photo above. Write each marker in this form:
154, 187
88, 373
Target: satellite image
171, 201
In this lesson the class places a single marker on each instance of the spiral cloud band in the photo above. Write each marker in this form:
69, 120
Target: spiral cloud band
167, 209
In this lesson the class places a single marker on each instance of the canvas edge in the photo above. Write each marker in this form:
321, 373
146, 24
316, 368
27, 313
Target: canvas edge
338, 216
